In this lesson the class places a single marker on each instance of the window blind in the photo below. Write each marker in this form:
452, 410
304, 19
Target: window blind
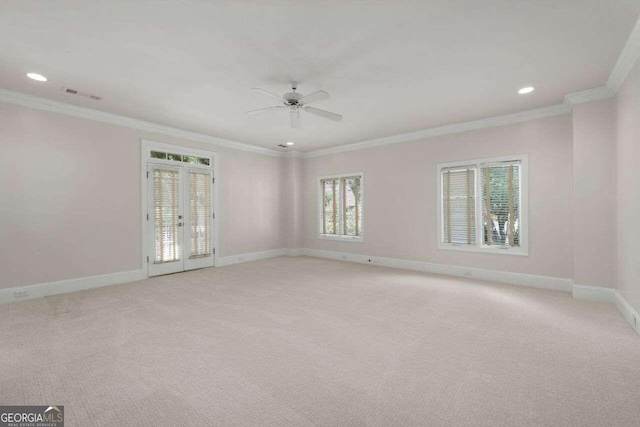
166, 205
501, 203
458, 205
200, 215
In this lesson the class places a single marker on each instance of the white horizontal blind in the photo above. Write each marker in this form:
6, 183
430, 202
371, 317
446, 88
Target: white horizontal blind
458, 205
330, 196
501, 203
166, 205
351, 206
200, 215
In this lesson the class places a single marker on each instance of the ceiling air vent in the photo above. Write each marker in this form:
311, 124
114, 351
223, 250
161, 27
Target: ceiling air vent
83, 94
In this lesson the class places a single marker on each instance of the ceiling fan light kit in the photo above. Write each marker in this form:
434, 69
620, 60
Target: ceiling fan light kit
295, 102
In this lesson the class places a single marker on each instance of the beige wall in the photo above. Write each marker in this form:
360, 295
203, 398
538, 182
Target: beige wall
292, 215
627, 262
400, 213
593, 195
70, 198
70, 191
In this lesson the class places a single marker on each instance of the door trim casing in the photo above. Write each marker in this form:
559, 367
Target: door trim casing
146, 146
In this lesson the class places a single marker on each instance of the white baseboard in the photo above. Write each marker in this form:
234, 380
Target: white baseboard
253, 256
593, 293
27, 292
294, 252
627, 311
598, 294
545, 282
21, 293
590, 293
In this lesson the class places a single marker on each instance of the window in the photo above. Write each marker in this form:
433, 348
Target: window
340, 207
483, 205
179, 158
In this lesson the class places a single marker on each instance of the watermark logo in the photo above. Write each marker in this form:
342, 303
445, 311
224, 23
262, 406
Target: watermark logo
32, 416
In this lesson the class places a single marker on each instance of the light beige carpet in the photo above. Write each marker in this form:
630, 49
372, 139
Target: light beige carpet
304, 341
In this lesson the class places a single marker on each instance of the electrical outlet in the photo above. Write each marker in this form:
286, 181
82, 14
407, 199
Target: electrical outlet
21, 294
467, 273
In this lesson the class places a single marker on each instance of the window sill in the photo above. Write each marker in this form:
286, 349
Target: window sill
484, 249
354, 239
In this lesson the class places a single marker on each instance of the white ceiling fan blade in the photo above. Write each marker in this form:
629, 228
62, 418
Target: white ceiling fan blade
265, 110
326, 114
267, 94
313, 97
295, 118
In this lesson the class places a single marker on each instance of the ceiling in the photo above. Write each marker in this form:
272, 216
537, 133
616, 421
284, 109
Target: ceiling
390, 66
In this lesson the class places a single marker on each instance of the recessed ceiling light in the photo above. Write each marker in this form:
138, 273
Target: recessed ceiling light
289, 143
527, 89
36, 76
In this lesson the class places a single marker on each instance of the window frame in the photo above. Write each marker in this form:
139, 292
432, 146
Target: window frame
480, 247
340, 222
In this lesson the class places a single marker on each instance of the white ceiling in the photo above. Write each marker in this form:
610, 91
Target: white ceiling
390, 66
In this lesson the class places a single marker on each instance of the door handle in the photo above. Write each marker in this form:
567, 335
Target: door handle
179, 224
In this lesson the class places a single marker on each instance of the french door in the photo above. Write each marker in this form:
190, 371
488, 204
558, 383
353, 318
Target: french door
179, 217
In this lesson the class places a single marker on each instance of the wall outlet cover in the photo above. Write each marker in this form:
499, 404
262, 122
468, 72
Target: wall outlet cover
21, 294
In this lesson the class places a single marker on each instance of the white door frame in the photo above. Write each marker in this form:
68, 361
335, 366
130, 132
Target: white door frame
145, 157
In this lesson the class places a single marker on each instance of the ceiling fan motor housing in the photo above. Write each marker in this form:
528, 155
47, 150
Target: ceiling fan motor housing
292, 98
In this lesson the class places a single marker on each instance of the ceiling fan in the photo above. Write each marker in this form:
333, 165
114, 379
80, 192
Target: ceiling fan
295, 102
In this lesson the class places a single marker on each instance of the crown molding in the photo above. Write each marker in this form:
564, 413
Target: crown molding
25, 100
507, 119
292, 154
627, 59
590, 95
36, 102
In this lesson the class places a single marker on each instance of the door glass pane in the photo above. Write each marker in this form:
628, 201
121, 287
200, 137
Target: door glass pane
200, 214
190, 159
166, 205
